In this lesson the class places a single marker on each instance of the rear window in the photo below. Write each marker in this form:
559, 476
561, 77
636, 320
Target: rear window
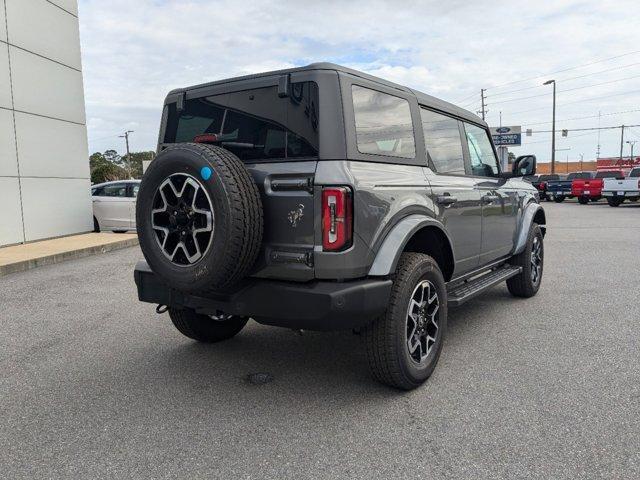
635, 173
579, 175
546, 178
254, 124
383, 124
609, 174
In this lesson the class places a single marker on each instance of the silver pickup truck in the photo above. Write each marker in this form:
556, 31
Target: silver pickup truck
617, 190
323, 198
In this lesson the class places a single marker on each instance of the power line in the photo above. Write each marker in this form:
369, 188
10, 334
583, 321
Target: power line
587, 129
566, 79
566, 90
579, 101
565, 69
582, 118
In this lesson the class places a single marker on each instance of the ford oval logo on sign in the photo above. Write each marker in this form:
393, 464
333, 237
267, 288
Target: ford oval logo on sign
506, 135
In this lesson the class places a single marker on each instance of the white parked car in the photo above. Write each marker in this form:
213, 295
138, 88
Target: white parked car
114, 205
617, 190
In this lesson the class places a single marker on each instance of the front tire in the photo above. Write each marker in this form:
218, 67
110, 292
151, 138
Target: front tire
403, 345
558, 199
204, 328
531, 259
614, 202
583, 200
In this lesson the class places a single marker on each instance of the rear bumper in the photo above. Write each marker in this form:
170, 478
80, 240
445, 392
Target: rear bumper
616, 193
317, 305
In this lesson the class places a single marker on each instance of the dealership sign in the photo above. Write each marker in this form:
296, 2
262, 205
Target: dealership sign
506, 136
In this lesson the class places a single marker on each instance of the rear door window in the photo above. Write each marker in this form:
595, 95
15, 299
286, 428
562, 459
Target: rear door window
383, 123
442, 142
254, 124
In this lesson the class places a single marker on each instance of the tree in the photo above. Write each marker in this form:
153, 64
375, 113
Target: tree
107, 172
110, 165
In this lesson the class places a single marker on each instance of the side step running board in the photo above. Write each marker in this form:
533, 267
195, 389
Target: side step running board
462, 292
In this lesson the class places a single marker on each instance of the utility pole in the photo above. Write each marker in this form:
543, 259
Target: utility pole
581, 159
631, 144
598, 150
482, 90
553, 127
126, 139
621, 141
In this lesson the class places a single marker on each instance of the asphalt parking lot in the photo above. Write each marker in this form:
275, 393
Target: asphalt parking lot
97, 385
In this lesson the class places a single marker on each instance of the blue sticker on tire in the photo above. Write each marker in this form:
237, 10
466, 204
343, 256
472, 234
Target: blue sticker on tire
205, 173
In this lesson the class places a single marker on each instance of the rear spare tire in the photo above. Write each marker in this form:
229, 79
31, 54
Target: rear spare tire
199, 218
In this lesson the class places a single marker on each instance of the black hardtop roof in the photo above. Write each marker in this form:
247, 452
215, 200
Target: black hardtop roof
423, 98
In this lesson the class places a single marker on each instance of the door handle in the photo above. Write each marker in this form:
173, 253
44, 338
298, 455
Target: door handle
446, 199
490, 198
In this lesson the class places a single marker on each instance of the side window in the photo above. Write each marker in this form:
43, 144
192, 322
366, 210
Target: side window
115, 190
442, 142
383, 124
483, 161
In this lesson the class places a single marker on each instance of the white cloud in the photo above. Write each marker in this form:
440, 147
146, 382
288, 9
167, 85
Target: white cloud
135, 52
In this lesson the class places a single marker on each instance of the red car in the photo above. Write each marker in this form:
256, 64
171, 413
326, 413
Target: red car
586, 189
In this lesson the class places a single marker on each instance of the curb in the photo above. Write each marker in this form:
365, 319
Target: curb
24, 265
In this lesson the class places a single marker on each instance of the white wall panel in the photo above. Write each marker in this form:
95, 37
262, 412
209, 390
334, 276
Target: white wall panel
10, 221
8, 164
46, 88
43, 28
68, 5
3, 24
5, 85
51, 148
55, 207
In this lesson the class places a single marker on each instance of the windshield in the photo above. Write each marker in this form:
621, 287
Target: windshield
254, 124
609, 174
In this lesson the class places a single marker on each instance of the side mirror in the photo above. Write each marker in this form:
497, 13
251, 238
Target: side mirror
524, 165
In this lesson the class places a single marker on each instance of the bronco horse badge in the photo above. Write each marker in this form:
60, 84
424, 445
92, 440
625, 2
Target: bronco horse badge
296, 215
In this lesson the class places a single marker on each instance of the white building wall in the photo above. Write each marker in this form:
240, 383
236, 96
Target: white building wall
44, 166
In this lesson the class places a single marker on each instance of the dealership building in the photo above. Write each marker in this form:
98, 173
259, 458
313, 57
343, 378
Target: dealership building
44, 168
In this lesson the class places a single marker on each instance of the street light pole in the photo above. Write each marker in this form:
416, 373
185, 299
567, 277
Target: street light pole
553, 127
126, 139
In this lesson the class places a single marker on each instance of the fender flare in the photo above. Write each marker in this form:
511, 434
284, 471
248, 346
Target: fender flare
389, 252
526, 220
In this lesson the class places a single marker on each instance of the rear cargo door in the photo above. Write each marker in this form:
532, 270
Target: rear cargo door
271, 124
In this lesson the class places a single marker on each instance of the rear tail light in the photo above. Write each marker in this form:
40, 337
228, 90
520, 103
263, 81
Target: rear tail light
206, 138
337, 218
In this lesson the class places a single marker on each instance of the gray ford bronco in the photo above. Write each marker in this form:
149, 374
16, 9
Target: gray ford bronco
323, 198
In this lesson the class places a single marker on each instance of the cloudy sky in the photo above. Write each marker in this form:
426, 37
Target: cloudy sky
134, 52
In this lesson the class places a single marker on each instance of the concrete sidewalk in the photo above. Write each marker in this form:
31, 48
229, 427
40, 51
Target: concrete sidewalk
19, 258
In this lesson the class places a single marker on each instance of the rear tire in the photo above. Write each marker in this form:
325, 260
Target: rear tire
531, 259
416, 318
96, 225
204, 328
583, 200
614, 202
